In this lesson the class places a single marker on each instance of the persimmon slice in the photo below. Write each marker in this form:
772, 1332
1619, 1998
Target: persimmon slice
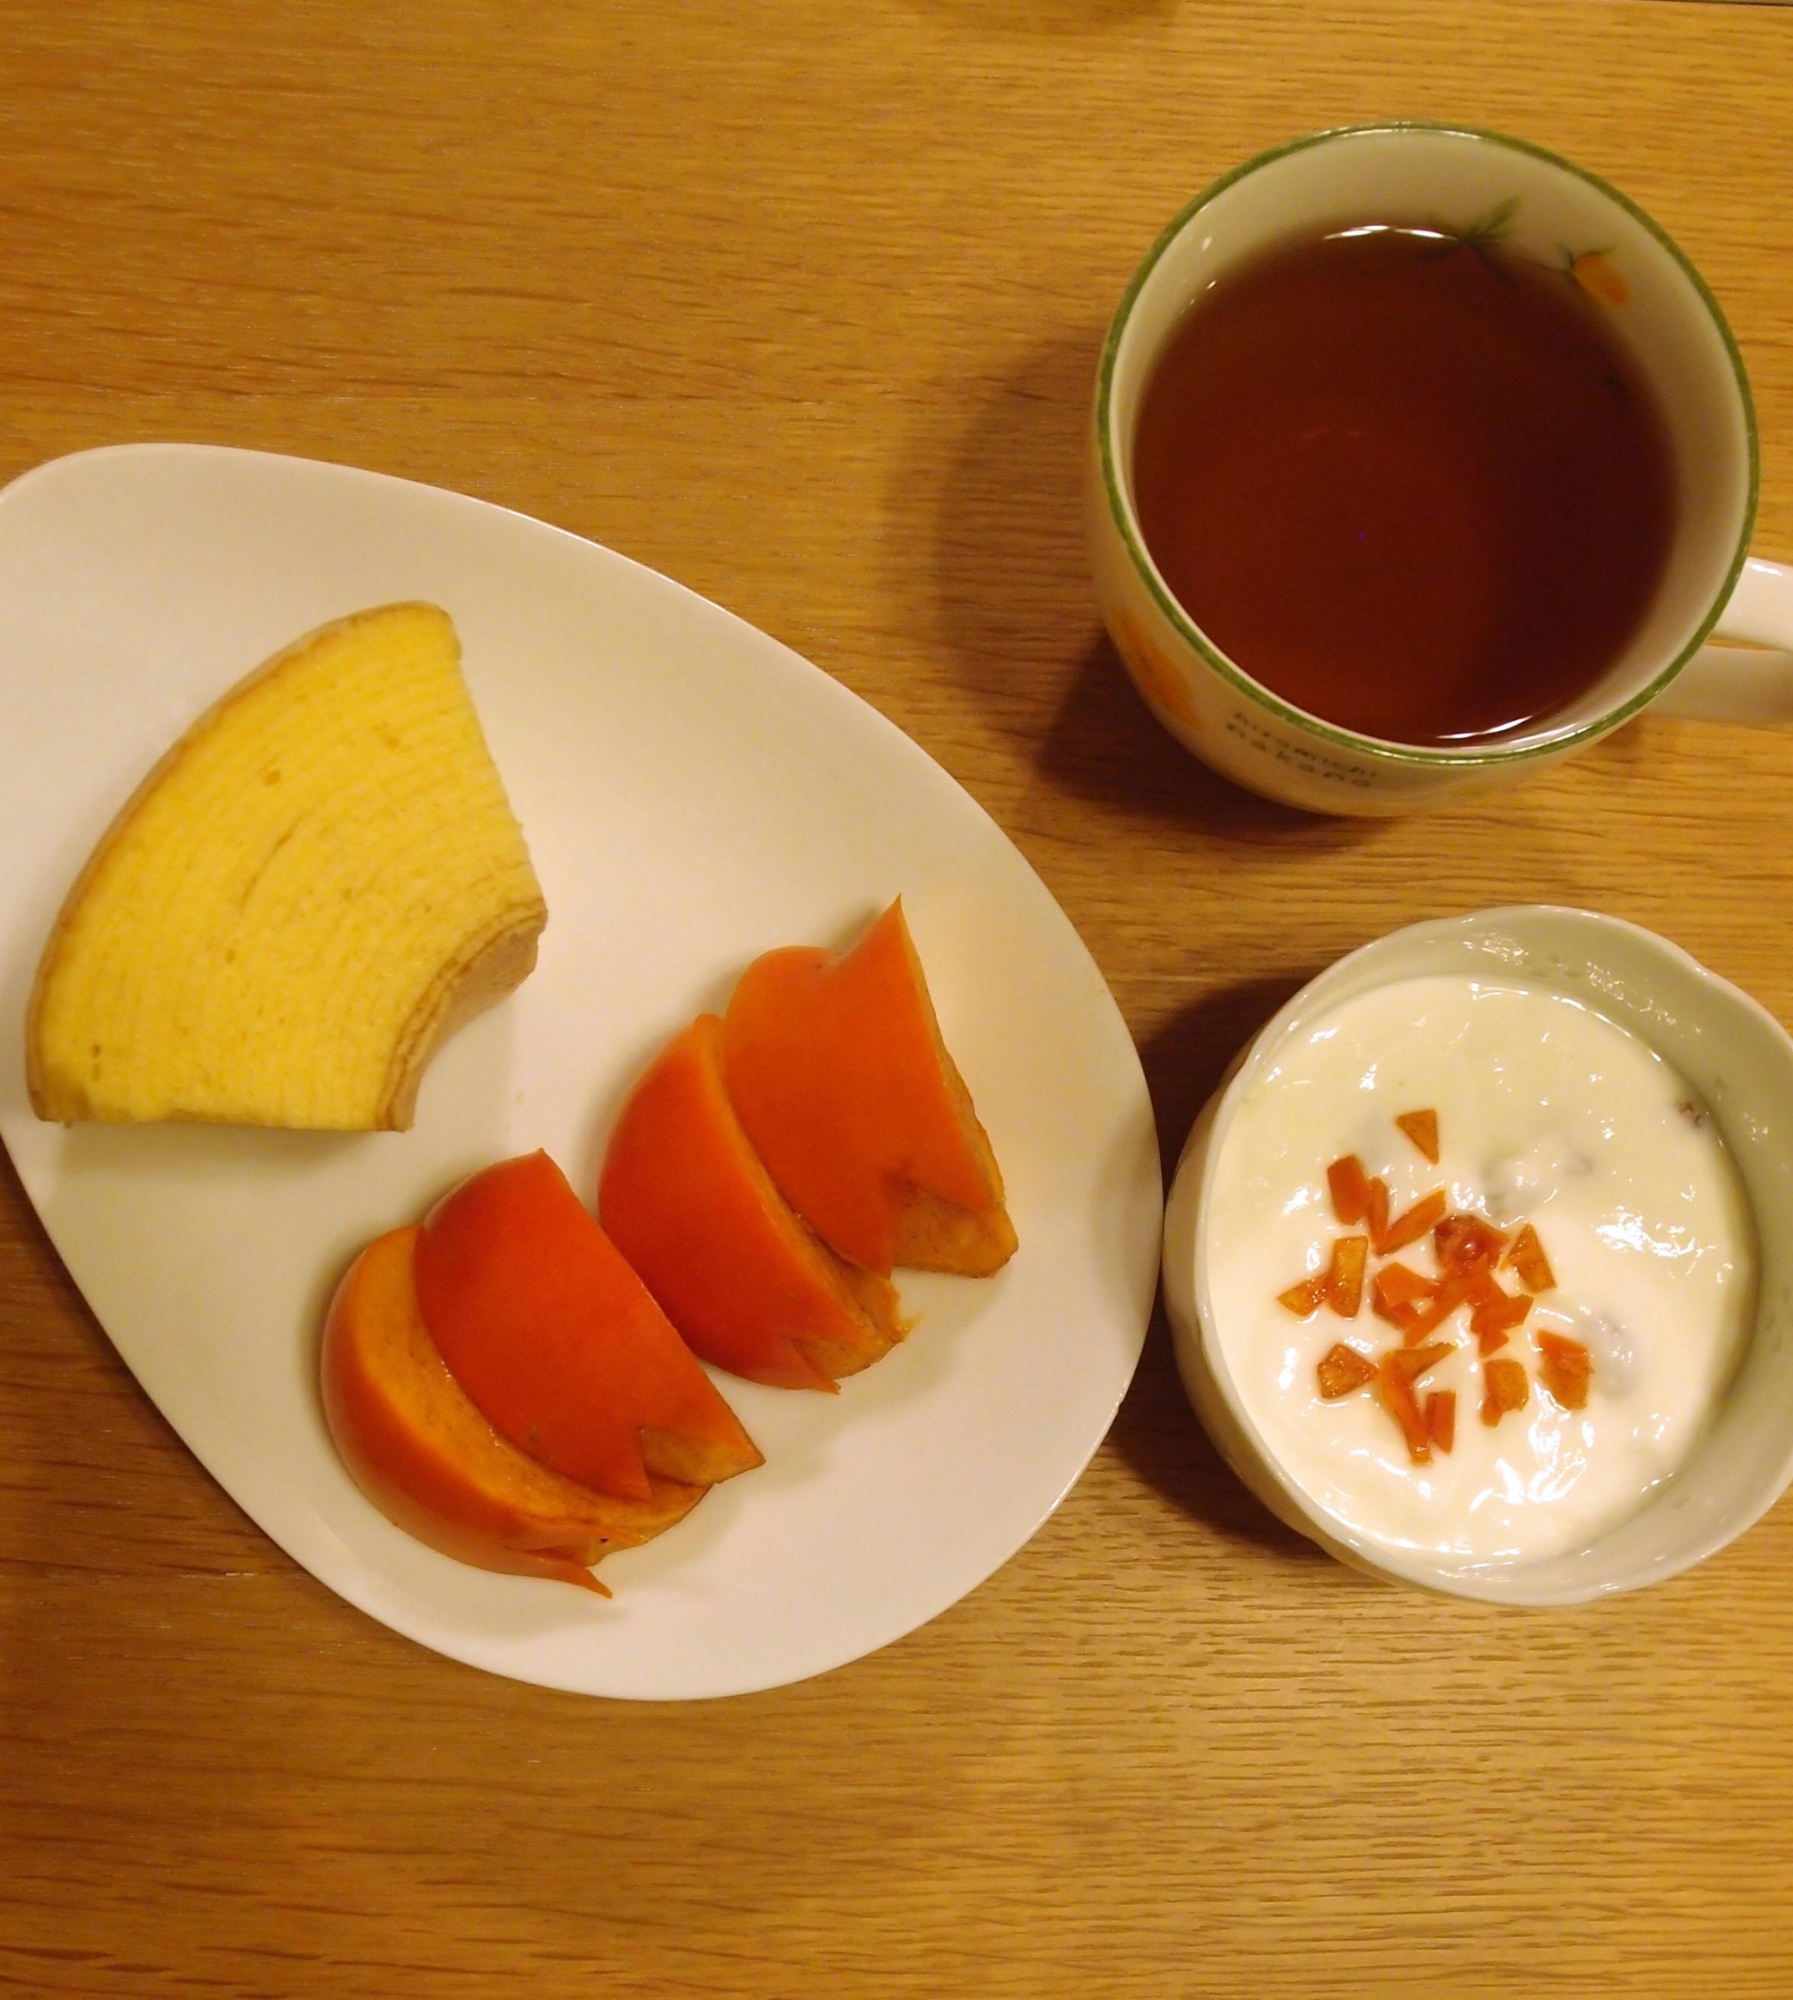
1410, 1363
1343, 1369
1375, 1213
1349, 1187
1422, 1128
1567, 1368
685, 1199
1504, 1388
1452, 1292
1396, 1373
1440, 1413
1463, 1239
1304, 1299
1498, 1315
558, 1342
1526, 1256
1344, 1276
843, 1085
1414, 1223
416, 1444
1397, 1285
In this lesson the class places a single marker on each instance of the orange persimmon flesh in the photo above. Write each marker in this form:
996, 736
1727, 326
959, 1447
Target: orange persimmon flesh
1396, 1286
1398, 1399
1339, 1286
1469, 1250
1412, 1224
1343, 1369
1463, 1239
1396, 1373
1440, 1413
1567, 1368
1497, 1316
1349, 1187
686, 1200
1525, 1254
1422, 1128
1410, 1363
1449, 1295
846, 1091
1304, 1299
1504, 1388
414, 1442
558, 1342
1344, 1275
1375, 1212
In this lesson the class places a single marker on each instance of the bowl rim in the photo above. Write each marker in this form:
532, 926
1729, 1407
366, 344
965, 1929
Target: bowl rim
1207, 1139
1548, 742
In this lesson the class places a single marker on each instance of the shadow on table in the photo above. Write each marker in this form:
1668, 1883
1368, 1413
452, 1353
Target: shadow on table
1156, 1431
1186, 1055
1157, 1434
1103, 744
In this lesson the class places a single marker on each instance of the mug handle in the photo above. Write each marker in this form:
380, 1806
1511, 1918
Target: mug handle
1751, 681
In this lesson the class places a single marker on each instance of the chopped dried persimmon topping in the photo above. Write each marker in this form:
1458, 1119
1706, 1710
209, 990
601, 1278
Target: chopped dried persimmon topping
1405, 1317
1343, 1369
1526, 1256
1375, 1213
1449, 1295
1463, 1239
1304, 1299
1410, 1363
1415, 1223
1422, 1128
1344, 1276
1499, 1314
1397, 1293
1397, 1285
1395, 1391
1479, 1284
1567, 1368
1440, 1413
1349, 1187
1504, 1388
1470, 1252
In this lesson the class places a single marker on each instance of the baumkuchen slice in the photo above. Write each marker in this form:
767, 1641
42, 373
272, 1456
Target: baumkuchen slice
847, 1092
318, 883
419, 1448
687, 1202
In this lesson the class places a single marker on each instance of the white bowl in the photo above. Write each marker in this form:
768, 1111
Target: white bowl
1739, 1060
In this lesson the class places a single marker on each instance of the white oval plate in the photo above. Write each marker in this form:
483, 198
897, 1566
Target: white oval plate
693, 794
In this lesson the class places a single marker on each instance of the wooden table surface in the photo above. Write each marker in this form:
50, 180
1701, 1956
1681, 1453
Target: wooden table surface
801, 304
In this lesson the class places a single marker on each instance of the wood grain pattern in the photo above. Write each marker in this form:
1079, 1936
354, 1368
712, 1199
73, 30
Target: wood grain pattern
801, 304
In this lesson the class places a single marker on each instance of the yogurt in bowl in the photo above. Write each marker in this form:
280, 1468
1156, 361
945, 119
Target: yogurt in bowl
1597, 1333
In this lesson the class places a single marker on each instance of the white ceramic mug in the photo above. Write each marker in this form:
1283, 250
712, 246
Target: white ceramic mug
1549, 210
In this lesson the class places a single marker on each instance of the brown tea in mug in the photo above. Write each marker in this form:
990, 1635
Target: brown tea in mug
1412, 483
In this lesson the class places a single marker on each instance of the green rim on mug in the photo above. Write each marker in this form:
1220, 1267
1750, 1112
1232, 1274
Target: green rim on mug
1241, 682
